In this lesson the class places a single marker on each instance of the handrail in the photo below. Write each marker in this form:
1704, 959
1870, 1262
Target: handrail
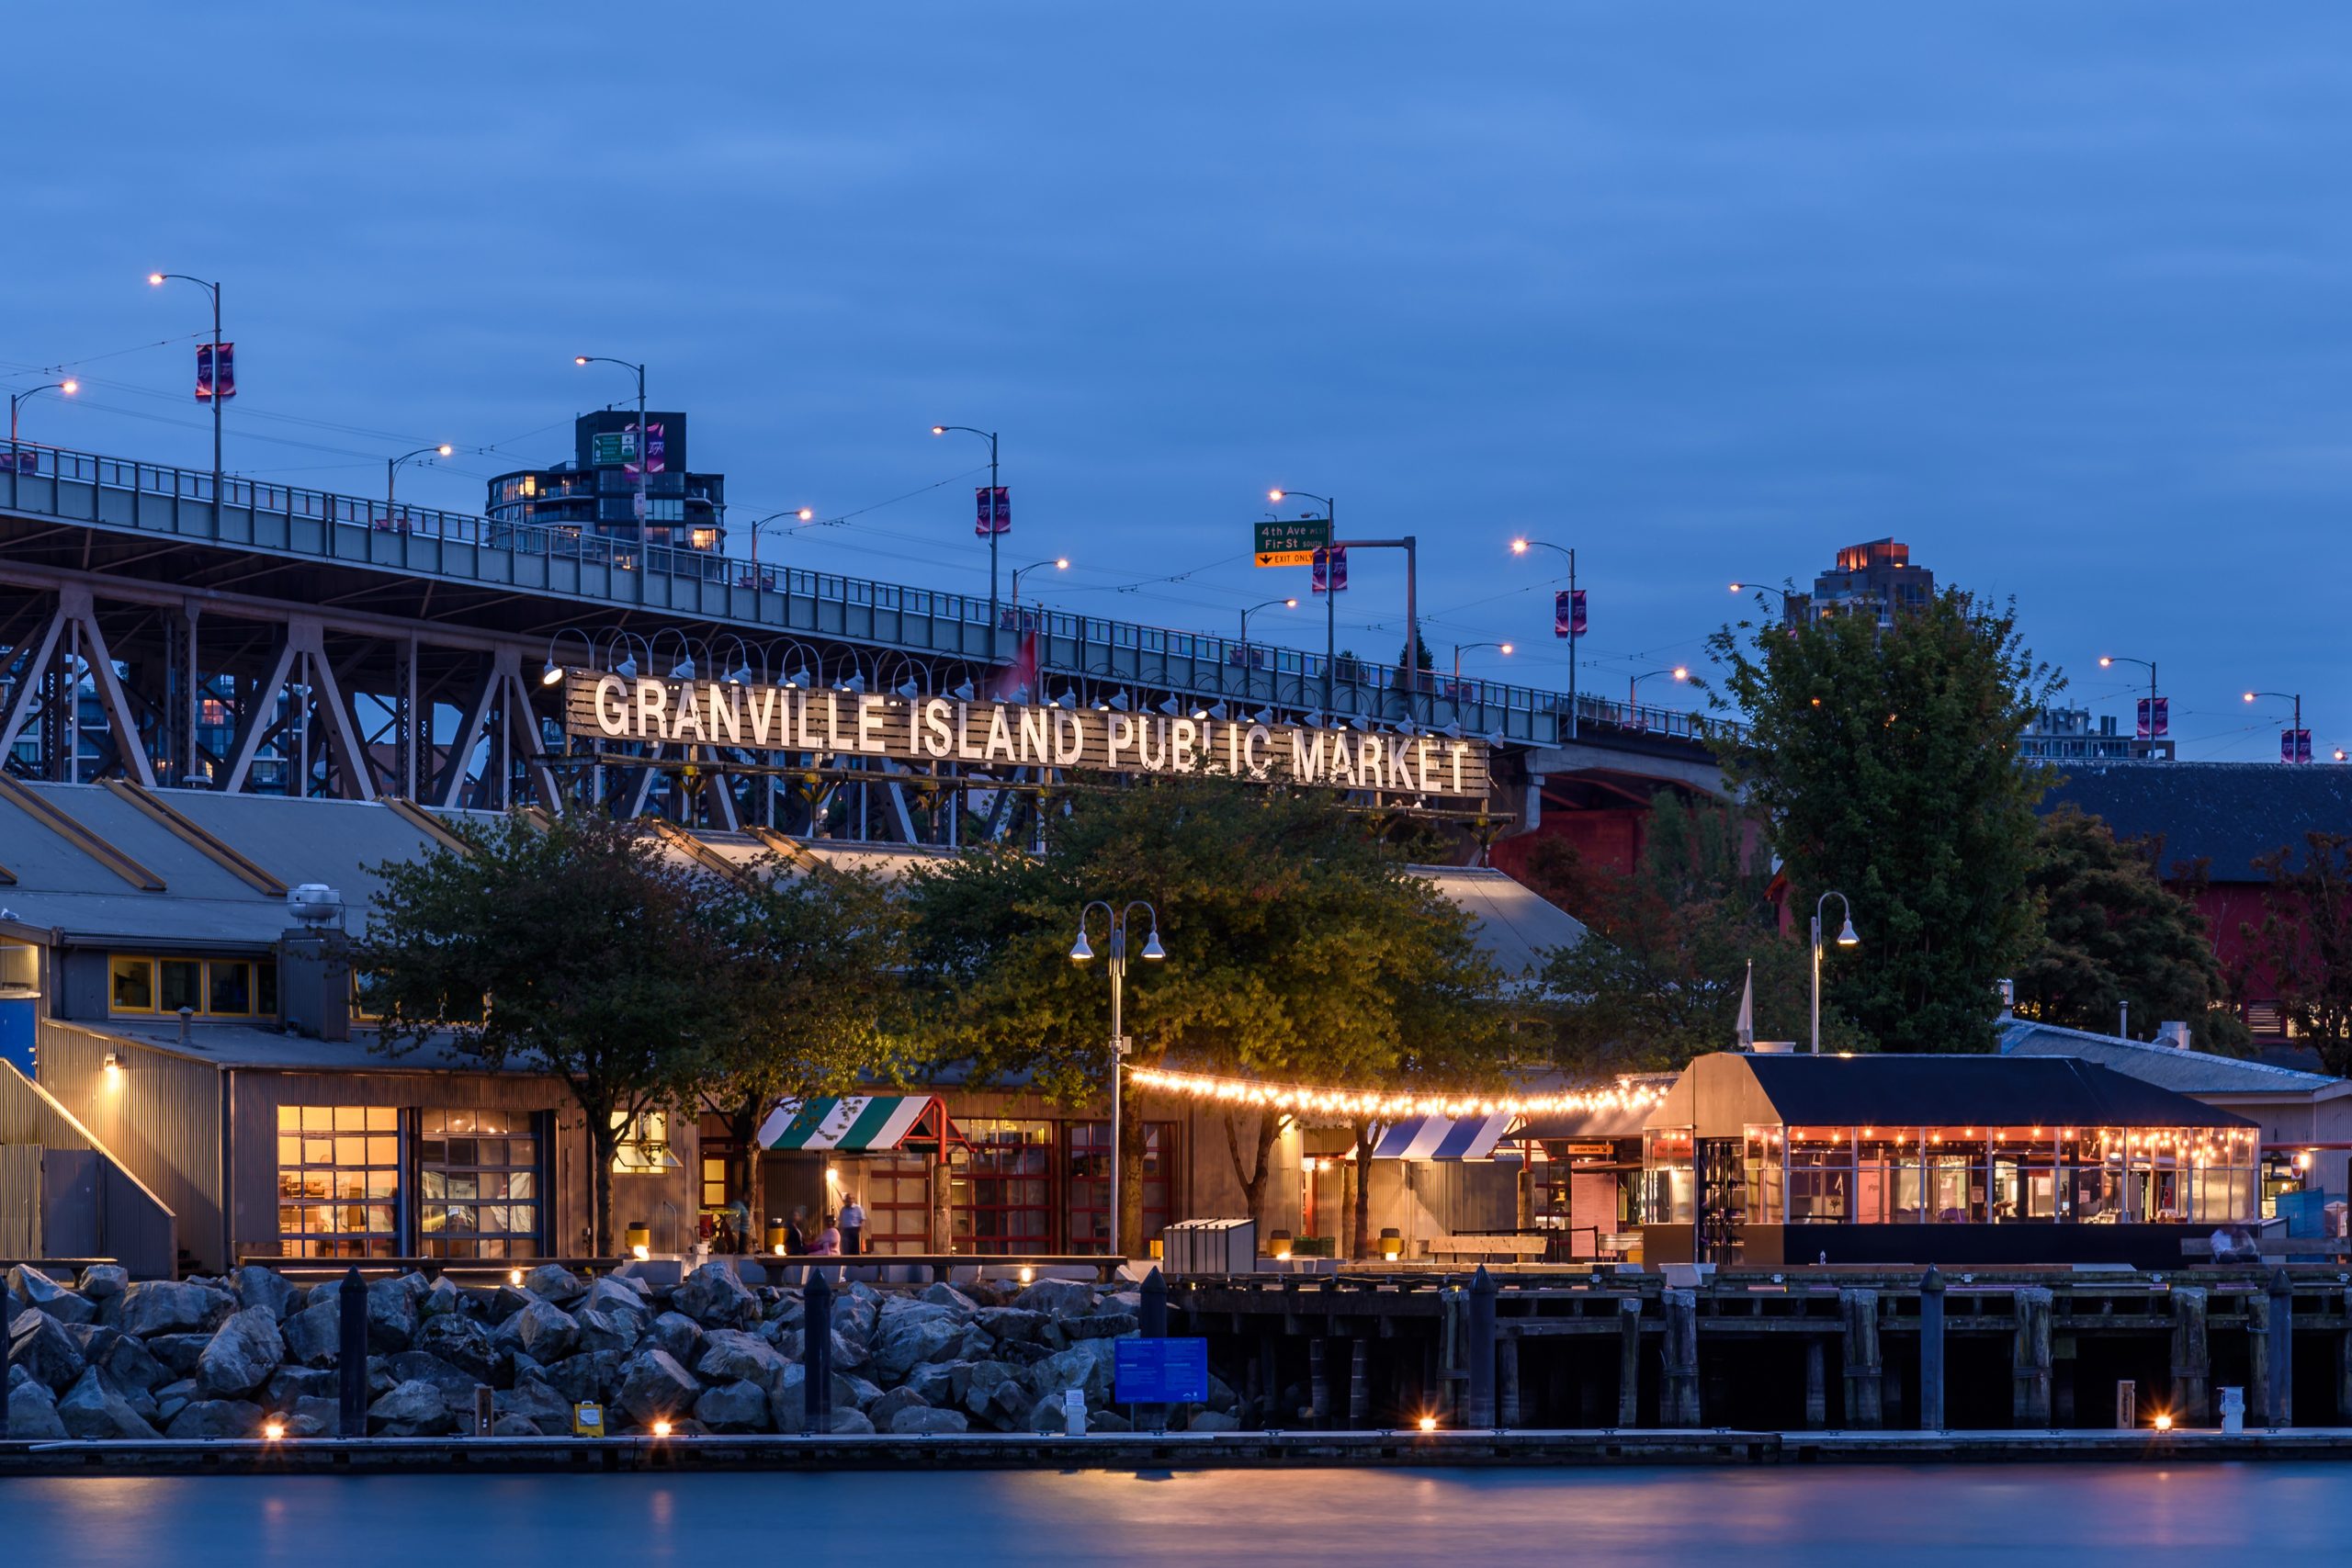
1490, 699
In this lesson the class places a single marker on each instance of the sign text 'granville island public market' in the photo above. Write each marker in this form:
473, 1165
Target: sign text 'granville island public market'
1014, 735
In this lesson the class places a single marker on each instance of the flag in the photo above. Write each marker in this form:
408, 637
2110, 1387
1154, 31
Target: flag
1332, 569
994, 513
1567, 613
1745, 1031
2294, 745
2155, 717
1018, 679
208, 373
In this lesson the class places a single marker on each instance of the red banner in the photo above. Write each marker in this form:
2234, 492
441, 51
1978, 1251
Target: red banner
994, 513
1332, 569
206, 372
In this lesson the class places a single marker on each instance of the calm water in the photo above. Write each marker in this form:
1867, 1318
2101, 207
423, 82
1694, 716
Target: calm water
2069, 1514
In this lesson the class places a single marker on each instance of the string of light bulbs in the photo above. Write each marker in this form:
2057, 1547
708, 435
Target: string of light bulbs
1389, 1103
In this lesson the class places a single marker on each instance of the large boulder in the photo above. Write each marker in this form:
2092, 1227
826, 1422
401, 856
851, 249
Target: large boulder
889, 1405
740, 1405
554, 1282
939, 1293
922, 1419
996, 1393
681, 1335
729, 1353
615, 1293
535, 1401
851, 1423
172, 1307
542, 1330
506, 1302
166, 1402
516, 1427
1085, 1365
178, 1352
1061, 1298
391, 1315
412, 1409
789, 1398
1211, 1421
314, 1334
654, 1386
289, 1386
608, 1330
94, 1408
127, 1360
1014, 1324
463, 1343
454, 1385
46, 1351
1102, 1326
256, 1286
105, 1281
215, 1418
34, 1288
713, 1296
440, 1300
595, 1375
905, 1345
243, 1352
850, 1391
939, 1382
32, 1414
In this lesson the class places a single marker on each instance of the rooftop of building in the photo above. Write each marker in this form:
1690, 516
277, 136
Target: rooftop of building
2197, 1073
1926, 1090
2226, 814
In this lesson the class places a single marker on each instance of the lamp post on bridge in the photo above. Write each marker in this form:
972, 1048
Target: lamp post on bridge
641, 443
2296, 749
67, 388
392, 471
1520, 546
1268, 604
1060, 563
1679, 672
157, 280
801, 513
995, 533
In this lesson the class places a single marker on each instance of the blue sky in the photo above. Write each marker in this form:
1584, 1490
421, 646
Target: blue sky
2055, 294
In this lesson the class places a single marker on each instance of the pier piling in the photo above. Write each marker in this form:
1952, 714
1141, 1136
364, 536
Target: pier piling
1507, 1380
1481, 1319
2258, 1360
2282, 1349
1931, 1351
2029, 1359
1680, 1393
817, 1327
351, 1357
1629, 1361
2192, 1358
1816, 1383
1858, 1308
1359, 1384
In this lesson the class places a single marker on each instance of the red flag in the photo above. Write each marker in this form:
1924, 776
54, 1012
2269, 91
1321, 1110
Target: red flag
1018, 679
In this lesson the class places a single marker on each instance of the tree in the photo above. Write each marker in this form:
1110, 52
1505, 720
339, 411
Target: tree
1670, 948
2112, 932
1884, 763
1295, 945
2304, 943
815, 971
577, 948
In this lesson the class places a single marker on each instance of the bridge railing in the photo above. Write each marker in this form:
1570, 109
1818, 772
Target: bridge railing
1211, 663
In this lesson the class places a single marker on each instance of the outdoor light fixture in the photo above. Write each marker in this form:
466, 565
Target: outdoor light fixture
798, 678
1278, 1246
113, 1066
1846, 938
1082, 950
1118, 702
683, 670
1429, 1423
1028, 1275
274, 1431
1171, 707
962, 693
910, 691
515, 1278
661, 1427
627, 668
551, 674
1152, 951
2164, 1422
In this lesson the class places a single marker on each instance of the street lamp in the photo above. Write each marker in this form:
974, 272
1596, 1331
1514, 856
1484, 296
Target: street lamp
2294, 697
1079, 953
1060, 563
157, 280
1460, 648
1331, 593
641, 465
802, 513
67, 388
1846, 938
1520, 546
1268, 604
1764, 588
989, 435
1681, 672
2109, 661
392, 470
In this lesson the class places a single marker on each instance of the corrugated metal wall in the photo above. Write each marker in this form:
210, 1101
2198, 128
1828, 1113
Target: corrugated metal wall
20, 1201
160, 1117
86, 1204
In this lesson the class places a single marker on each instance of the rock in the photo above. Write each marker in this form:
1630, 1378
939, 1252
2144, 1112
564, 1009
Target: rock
554, 1282
1013, 1323
391, 1315
979, 1395
129, 1362
1102, 1326
536, 1402
327, 1412
714, 1297
1057, 1298
105, 1281
515, 1427
900, 1348
654, 1386
921, 1418
308, 1427
506, 1302
606, 1330
290, 1385
941, 1294
541, 1329
738, 1407
442, 1299
466, 1344
254, 1286
314, 1334
46, 1351
593, 1376
180, 1352
412, 1409
32, 1414
940, 1382
1085, 1365
95, 1408
243, 1352
787, 1398
171, 1399
34, 1288
1211, 1421
615, 1293
1107, 1421
729, 1353
890, 1404
681, 1335
454, 1384
216, 1418
850, 1423
165, 1307
850, 1391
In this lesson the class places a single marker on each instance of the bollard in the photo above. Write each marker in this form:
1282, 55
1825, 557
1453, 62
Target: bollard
816, 1328
1931, 1351
2282, 1349
1678, 1393
2232, 1409
351, 1357
1482, 1350
485, 1410
1151, 1318
2192, 1360
1629, 1361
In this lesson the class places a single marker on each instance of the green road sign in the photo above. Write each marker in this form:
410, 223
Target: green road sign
1291, 542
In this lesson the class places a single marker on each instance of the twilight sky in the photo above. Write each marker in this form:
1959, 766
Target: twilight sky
2055, 294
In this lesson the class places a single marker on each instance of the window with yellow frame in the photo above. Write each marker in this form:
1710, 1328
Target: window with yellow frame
208, 988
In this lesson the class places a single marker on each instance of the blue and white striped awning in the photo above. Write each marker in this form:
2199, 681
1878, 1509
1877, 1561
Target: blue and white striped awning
1442, 1137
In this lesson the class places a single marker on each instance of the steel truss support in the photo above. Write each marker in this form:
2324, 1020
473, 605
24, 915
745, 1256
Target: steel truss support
301, 675
54, 685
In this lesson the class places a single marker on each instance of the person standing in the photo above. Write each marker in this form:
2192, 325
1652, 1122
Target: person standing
852, 1225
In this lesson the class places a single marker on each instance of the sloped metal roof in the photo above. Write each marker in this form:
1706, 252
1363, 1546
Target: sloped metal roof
2224, 813
2168, 1067
1970, 1090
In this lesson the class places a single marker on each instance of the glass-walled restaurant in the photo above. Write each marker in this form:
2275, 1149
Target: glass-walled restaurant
1767, 1159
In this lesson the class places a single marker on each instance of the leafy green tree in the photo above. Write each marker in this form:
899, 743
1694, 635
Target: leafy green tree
577, 947
1296, 947
2303, 945
815, 970
2112, 932
1884, 763
1670, 948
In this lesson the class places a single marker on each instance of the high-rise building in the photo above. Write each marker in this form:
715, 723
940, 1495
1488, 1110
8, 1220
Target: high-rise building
1875, 580
596, 492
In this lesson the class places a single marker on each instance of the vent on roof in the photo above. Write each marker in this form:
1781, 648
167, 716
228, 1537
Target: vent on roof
315, 906
2174, 1034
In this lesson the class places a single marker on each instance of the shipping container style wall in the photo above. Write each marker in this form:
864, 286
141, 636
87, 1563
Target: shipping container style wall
160, 1115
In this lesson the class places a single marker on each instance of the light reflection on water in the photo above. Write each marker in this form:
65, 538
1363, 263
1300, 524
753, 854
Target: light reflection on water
1816, 1517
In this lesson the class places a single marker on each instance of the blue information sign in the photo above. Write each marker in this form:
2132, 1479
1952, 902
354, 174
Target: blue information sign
1160, 1372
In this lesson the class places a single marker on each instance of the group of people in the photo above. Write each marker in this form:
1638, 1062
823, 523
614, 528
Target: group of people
842, 1234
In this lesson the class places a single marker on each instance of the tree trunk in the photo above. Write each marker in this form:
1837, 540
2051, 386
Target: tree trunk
603, 1141
1131, 1140
744, 1127
1252, 1178
1361, 1246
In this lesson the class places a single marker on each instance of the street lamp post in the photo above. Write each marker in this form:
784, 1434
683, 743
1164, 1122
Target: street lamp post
994, 533
801, 513
393, 470
1519, 548
2109, 661
1846, 938
1246, 661
65, 388
1679, 672
1460, 648
1079, 953
1060, 563
1330, 592
1745, 587
641, 433
157, 280
2294, 697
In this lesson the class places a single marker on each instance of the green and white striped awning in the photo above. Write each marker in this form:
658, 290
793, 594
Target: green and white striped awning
852, 1123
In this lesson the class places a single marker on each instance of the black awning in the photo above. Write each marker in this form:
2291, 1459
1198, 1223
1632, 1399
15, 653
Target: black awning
1977, 1092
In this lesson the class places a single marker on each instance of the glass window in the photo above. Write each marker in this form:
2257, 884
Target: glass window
133, 985
1887, 1176
1001, 1191
896, 1196
229, 987
338, 1180
1667, 1163
183, 984
1821, 1174
266, 986
644, 1145
478, 1184
1087, 1178
1765, 1197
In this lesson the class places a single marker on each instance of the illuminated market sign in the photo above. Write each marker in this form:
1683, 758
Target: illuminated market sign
919, 730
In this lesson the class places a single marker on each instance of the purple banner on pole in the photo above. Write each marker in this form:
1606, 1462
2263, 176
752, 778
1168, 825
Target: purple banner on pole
1567, 613
208, 374
1331, 573
993, 509
2294, 745
2155, 717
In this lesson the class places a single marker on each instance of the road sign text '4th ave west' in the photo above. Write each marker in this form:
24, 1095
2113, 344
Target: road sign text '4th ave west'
1290, 544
